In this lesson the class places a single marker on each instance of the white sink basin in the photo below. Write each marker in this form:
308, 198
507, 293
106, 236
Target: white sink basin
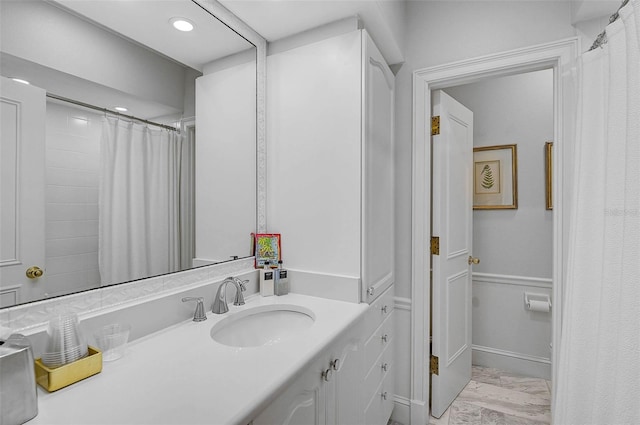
263, 325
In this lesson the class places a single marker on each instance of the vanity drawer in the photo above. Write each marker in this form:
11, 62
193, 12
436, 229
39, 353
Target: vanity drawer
380, 339
380, 369
379, 310
378, 410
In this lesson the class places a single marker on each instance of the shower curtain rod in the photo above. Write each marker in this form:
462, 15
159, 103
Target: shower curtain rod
109, 111
602, 37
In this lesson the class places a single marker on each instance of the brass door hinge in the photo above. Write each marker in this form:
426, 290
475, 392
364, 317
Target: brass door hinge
435, 245
433, 365
435, 125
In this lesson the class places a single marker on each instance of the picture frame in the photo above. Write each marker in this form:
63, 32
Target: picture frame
548, 174
267, 248
495, 177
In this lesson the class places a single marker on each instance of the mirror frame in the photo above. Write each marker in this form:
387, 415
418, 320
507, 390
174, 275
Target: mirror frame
35, 314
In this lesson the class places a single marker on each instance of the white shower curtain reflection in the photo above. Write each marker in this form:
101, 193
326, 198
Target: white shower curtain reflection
599, 365
140, 211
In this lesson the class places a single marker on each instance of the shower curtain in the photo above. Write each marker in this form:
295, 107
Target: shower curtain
599, 365
140, 208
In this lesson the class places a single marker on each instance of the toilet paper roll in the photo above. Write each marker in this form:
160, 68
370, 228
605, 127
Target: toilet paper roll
535, 305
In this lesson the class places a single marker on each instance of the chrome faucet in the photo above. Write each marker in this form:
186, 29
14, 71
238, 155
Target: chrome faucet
220, 301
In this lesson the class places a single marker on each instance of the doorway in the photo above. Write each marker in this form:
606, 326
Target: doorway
559, 57
510, 119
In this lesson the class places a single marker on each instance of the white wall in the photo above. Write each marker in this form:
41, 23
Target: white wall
313, 177
514, 110
515, 246
441, 32
72, 179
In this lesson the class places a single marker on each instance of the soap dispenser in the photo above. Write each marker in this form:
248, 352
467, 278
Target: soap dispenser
282, 280
267, 278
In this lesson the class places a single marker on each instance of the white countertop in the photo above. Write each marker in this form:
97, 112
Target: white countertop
181, 376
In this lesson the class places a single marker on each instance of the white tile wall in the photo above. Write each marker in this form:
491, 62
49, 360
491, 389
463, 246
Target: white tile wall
73, 161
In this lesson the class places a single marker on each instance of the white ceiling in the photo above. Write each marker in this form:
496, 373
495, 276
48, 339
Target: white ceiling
585, 10
147, 22
277, 19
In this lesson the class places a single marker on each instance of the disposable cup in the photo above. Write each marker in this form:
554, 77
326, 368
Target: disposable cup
112, 340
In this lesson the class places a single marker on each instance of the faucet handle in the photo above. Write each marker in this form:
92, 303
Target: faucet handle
240, 288
242, 284
199, 314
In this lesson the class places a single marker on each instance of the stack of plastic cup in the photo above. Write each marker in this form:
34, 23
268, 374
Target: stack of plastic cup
66, 343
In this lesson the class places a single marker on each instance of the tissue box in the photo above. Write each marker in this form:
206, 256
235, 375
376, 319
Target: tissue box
60, 377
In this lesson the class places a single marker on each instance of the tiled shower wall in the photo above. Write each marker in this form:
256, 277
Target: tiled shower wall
72, 178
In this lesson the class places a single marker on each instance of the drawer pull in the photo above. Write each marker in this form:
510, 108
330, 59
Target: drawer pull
383, 395
385, 338
385, 366
327, 375
384, 309
334, 364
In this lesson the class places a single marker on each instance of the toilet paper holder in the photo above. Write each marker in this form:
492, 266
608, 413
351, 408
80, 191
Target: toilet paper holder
537, 302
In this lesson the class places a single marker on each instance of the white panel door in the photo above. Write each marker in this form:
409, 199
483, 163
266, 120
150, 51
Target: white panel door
452, 208
22, 167
377, 255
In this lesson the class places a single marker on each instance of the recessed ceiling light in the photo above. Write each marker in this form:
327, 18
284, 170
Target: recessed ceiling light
120, 109
20, 80
181, 24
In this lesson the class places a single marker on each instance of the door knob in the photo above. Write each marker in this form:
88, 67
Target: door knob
474, 260
34, 272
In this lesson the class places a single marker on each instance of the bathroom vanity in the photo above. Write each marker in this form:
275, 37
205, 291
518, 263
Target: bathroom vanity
333, 372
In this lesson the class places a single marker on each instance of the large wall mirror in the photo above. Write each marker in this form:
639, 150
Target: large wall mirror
91, 197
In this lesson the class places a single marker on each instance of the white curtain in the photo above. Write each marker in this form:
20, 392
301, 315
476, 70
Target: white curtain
140, 201
599, 365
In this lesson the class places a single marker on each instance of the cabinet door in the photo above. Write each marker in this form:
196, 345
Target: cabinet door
377, 145
302, 403
344, 391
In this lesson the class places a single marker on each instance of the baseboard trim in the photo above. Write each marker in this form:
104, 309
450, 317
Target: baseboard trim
419, 412
521, 364
401, 410
512, 354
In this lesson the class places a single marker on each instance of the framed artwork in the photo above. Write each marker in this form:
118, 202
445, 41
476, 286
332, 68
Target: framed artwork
267, 249
548, 174
495, 177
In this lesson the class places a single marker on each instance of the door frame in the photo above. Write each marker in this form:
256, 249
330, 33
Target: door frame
561, 57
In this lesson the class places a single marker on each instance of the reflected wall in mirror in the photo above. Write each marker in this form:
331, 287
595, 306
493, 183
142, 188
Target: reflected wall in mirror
92, 198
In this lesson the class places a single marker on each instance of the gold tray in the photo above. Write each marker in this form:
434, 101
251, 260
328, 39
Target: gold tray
60, 377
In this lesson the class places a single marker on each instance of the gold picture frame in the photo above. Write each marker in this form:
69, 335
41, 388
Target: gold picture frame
495, 177
548, 174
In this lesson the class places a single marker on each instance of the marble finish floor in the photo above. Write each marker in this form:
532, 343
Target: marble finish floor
494, 397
